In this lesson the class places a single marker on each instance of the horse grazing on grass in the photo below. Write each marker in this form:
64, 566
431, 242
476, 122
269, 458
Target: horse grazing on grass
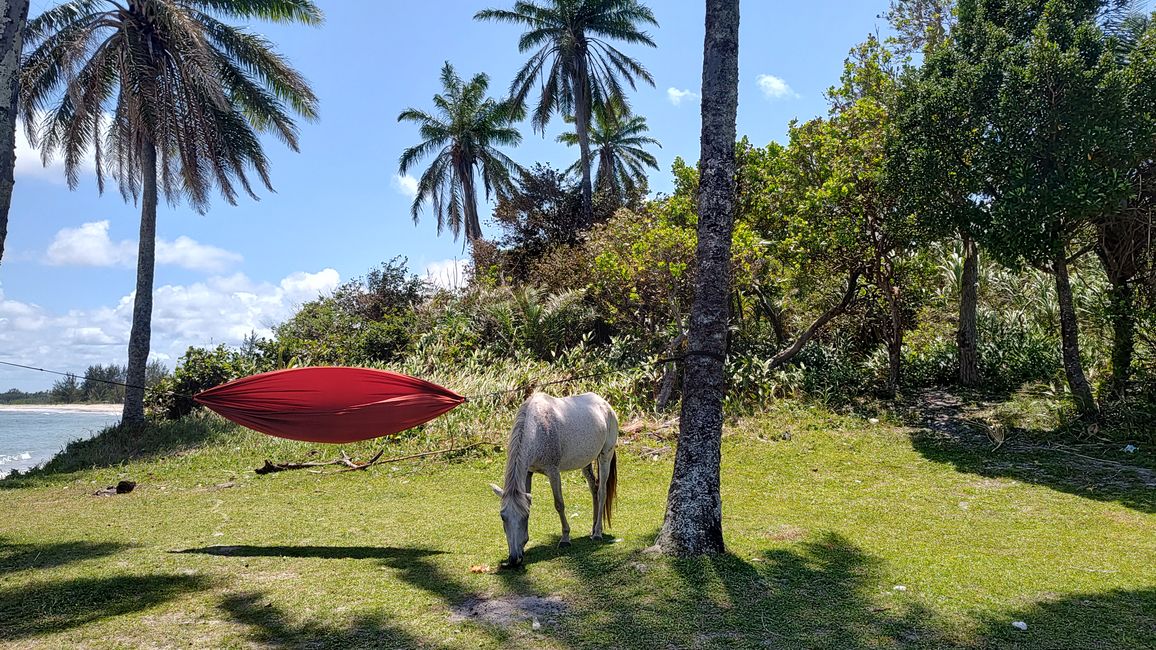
553, 435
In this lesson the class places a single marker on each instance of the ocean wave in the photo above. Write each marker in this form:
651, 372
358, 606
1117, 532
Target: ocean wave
14, 458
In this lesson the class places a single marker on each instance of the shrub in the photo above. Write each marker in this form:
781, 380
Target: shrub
199, 369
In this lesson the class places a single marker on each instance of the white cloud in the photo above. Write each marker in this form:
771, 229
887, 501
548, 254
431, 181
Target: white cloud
677, 96
189, 254
405, 184
90, 245
447, 274
774, 87
222, 309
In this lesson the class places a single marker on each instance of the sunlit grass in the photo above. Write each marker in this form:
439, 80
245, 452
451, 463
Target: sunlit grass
822, 526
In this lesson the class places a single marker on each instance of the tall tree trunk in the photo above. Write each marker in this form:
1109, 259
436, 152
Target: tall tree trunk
967, 336
1122, 298
693, 521
582, 110
470, 203
141, 335
1070, 341
14, 13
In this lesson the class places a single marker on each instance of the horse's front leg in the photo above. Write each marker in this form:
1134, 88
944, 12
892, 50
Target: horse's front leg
559, 505
592, 482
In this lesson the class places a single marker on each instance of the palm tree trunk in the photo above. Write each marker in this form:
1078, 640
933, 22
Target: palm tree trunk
140, 337
693, 521
473, 224
14, 13
582, 110
967, 336
1070, 341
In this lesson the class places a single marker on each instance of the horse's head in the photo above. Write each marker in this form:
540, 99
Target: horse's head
515, 521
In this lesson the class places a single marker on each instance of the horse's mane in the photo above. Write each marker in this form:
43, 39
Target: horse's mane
514, 491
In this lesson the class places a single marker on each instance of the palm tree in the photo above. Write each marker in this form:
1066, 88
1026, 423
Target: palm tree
15, 14
619, 140
693, 521
574, 63
465, 133
168, 98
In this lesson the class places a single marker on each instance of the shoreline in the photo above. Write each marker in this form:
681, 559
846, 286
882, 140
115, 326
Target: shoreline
63, 408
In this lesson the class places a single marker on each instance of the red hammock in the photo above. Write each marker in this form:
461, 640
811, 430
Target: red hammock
329, 404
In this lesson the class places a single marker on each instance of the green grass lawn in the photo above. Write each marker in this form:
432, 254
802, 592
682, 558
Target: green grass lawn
843, 534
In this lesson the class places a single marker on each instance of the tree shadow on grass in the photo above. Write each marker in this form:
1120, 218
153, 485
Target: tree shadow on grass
817, 597
270, 627
32, 610
120, 444
21, 557
1118, 619
943, 434
321, 552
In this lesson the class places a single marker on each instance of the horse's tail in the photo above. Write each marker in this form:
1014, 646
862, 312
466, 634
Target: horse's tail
611, 487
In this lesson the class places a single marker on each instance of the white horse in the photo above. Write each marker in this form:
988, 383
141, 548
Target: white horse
553, 435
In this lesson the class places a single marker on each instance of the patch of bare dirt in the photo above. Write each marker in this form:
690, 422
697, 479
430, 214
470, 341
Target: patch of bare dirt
507, 611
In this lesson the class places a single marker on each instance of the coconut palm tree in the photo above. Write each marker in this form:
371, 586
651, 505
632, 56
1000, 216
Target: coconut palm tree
693, 521
574, 63
464, 133
618, 140
15, 14
169, 99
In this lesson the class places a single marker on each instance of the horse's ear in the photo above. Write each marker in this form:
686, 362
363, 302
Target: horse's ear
497, 490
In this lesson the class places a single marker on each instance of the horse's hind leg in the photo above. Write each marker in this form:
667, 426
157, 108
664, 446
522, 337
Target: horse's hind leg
600, 497
592, 482
559, 505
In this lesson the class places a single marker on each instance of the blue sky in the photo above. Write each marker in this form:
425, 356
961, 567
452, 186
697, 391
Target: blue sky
339, 209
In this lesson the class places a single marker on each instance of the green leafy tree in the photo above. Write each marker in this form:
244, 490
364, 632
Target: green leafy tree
574, 64
171, 99
920, 25
463, 135
619, 140
1027, 125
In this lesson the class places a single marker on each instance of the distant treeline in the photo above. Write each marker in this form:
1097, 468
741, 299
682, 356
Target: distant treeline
100, 385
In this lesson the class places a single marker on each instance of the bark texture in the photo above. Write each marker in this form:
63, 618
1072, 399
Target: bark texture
967, 336
1070, 341
140, 338
14, 14
693, 521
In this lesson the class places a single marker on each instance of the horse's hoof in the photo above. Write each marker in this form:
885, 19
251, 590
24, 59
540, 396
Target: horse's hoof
597, 538
564, 543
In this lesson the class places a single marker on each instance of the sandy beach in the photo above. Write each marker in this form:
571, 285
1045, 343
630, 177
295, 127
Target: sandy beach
71, 408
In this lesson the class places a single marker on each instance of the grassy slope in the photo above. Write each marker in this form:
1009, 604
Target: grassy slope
821, 527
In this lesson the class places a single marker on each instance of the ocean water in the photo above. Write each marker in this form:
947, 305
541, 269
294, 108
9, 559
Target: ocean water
29, 437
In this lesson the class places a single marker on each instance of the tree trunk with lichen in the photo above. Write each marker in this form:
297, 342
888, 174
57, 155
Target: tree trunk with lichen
14, 13
693, 521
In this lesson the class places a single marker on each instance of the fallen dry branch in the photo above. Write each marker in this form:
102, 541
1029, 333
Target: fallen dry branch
351, 465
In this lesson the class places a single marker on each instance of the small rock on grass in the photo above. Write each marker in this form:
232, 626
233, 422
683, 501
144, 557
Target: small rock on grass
1019, 625
123, 487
